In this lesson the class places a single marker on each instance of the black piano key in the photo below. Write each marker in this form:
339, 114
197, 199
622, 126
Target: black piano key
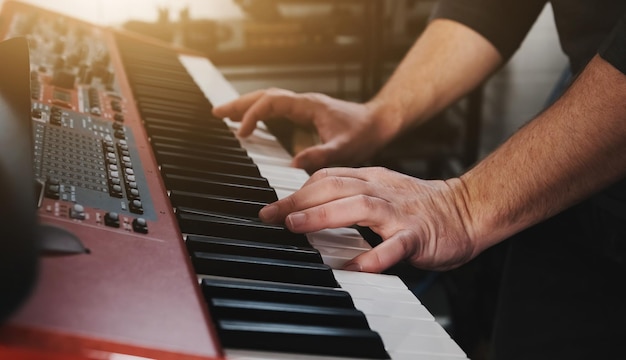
152, 60
267, 269
215, 176
164, 67
168, 94
316, 340
236, 207
285, 313
167, 82
194, 222
272, 291
200, 146
173, 114
209, 187
246, 169
198, 124
224, 139
198, 110
206, 153
258, 248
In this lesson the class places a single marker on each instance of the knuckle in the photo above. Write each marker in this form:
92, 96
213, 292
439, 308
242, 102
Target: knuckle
319, 174
379, 170
336, 182
291, 202
322, 214
367, 202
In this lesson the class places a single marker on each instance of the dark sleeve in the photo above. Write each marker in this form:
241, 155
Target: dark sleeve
613, 49
504, 23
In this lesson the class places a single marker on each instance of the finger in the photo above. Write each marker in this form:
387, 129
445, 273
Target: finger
313, 158
386, 254
277, 103
313, 194
359, 209
235, 109
363, 174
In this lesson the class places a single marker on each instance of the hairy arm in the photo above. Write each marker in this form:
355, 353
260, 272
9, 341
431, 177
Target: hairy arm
447, 61
571, 150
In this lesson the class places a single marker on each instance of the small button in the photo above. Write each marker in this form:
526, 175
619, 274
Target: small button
36, 114
77, 211
52, 189
112, 219
140, 225
136, 207
133, 193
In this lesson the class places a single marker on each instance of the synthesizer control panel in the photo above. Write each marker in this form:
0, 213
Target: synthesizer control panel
85, 155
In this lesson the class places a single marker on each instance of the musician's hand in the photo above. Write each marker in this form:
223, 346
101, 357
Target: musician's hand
350, 133
424, 222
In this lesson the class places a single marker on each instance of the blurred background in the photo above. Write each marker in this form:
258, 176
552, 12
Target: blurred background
346, 49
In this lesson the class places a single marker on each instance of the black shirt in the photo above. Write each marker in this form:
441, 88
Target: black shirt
584, 26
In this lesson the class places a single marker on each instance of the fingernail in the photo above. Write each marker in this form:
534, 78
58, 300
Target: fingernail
296, 219
353, 267
268, 213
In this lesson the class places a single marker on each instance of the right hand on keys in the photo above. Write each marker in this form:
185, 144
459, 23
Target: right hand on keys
428, 223
349, 132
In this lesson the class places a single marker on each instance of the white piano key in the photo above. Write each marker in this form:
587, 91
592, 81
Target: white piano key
282, 193
237, 354
393, 309
344, 237
425, 345
269, 160
361, 278
337, 257
285, 176
210, 80
264, 153
414, 356
338, 246
388, 324
287, 184
364, 291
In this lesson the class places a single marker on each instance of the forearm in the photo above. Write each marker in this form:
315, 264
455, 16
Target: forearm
571, 150
446, 62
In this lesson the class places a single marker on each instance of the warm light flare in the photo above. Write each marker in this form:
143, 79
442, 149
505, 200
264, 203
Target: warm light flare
115, 12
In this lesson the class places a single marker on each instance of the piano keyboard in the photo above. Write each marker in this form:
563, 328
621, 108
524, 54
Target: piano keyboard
133, 163
227, 244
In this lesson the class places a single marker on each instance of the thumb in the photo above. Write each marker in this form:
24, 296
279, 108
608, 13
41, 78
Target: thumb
313, 158
384, 255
